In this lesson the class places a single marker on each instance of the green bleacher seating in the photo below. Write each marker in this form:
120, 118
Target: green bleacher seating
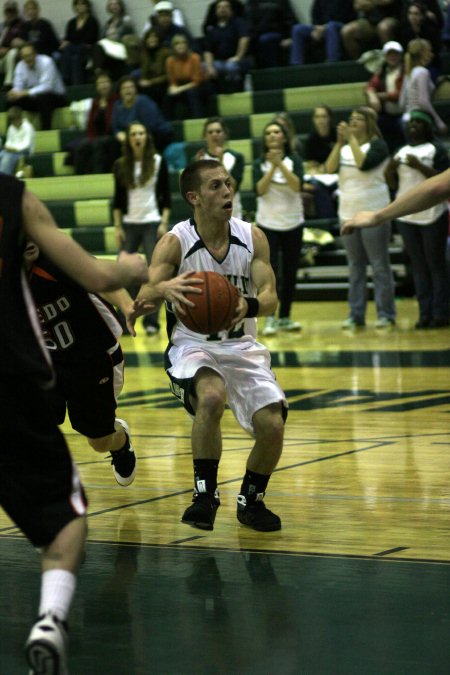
82, 204
309, 75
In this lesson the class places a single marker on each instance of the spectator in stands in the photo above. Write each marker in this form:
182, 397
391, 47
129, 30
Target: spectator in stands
38, 31
277, 179
37, 85
186, 79
134, 107
424, 234
95, 152
176, 15
432, 8
211, 19
282, 117
215, 135
328, 18
163, 21
271, 22
141, 206
19, 141
418, 88
416, 23
109, 53
225, 48
81, 34
151, 76
317, 147
9, 34
383, 92
377, 22
360, 156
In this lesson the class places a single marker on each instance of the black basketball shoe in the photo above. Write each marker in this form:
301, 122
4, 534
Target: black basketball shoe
255, 514
124, 461
202, 512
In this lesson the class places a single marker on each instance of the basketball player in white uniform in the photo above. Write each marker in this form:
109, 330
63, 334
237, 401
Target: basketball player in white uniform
206, 371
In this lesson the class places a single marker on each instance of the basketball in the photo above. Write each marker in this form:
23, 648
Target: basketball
214, 308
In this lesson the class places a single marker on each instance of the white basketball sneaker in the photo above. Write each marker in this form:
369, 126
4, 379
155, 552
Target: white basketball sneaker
46, 646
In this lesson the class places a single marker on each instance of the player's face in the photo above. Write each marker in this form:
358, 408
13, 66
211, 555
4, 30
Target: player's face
215, 197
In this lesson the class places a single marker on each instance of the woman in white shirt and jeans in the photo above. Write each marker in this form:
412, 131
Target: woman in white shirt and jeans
360, 156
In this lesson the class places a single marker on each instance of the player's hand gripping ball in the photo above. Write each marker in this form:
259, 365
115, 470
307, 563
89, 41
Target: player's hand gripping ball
214, 308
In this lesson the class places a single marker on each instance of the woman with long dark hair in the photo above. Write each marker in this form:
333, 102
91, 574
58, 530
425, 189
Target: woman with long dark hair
141, 206
277, 179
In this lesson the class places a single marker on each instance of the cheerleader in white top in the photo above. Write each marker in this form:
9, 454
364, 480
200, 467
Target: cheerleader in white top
208, 371
360, 156
277, 180
424, 233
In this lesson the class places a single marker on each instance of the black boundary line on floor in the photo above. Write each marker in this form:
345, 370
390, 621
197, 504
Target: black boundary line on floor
227, 482
259, 551
296, 359
392, 550
288, 443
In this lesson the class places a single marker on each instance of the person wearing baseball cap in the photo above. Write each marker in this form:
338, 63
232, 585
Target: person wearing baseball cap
167, 13
392, 46
383, 93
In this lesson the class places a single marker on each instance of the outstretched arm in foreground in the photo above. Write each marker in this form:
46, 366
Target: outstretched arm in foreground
423, 196
93, 274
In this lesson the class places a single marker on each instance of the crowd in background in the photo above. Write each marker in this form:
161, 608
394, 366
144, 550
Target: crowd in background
164, 73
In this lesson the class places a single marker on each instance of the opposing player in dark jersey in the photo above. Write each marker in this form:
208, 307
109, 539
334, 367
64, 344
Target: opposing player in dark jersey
206, 371
81, 332
39, 486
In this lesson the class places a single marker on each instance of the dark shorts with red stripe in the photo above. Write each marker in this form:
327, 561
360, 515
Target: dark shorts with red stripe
40, 488
89, 392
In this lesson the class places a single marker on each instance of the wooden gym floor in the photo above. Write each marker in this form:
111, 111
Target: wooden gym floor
356, 582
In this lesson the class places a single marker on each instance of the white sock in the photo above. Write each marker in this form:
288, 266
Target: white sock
57, 590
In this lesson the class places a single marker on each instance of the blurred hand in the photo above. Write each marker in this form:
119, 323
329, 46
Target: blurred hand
359, 220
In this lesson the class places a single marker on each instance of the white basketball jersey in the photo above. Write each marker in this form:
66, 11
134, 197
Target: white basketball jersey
235, 266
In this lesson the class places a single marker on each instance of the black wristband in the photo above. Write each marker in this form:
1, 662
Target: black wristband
253, 307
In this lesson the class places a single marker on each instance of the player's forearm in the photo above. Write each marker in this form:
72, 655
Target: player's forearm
120, 298
421, 197
268, 302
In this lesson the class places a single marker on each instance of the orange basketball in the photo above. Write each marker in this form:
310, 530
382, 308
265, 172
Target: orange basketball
214, 308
